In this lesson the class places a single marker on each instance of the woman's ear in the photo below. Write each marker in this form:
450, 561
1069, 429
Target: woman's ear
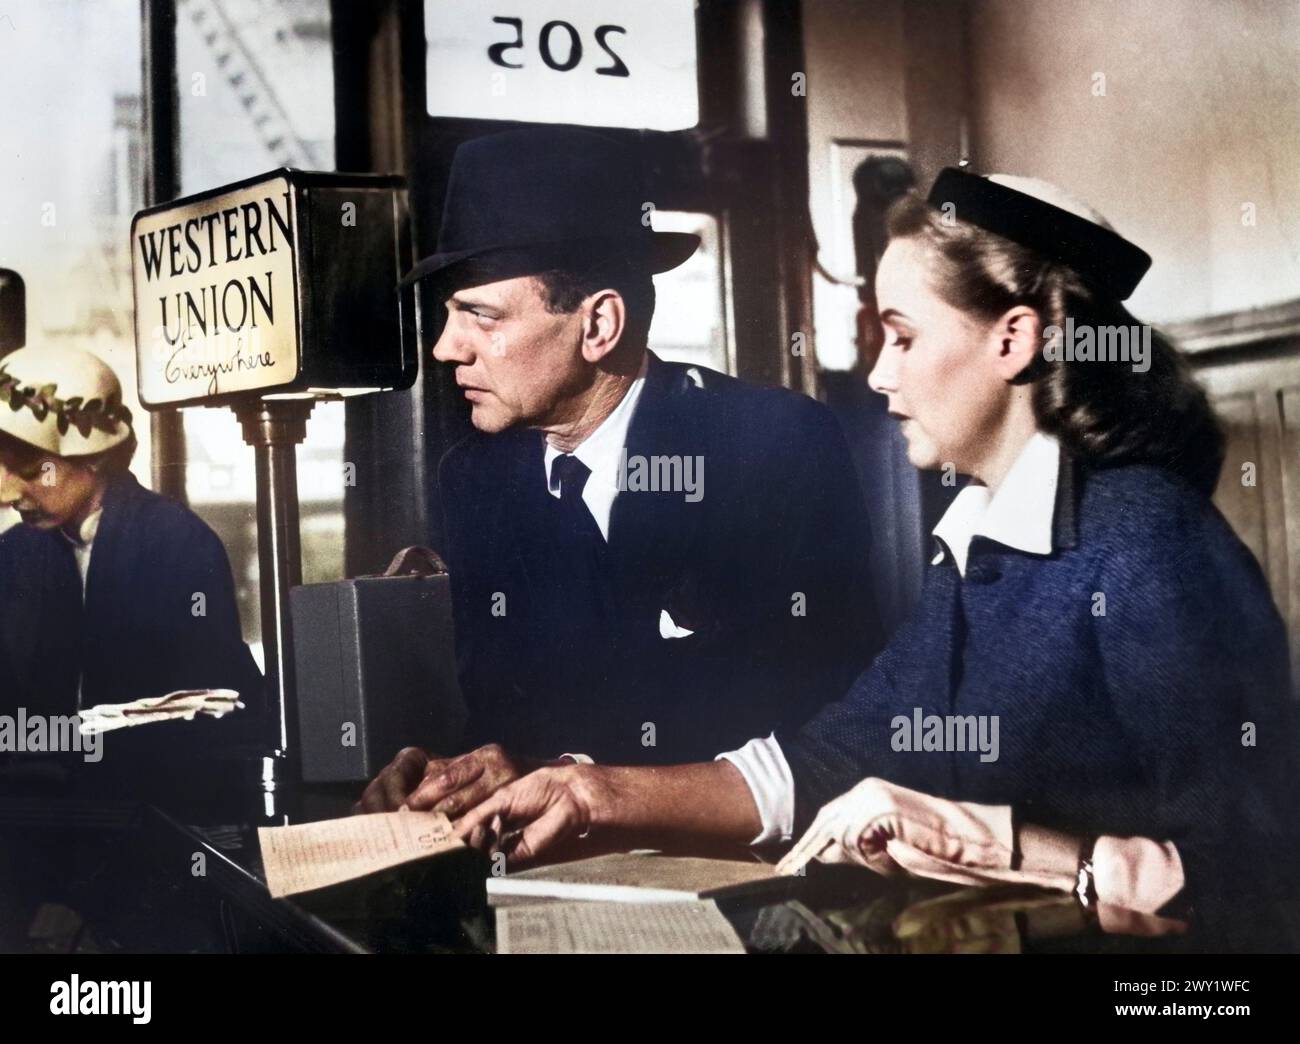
1018, 336
604, 320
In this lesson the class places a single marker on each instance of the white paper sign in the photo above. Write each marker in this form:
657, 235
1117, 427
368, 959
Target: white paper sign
215, 295
617, 63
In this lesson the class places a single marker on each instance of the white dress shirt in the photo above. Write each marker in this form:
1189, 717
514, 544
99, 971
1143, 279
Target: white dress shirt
1018, 515
601, 452
82, 544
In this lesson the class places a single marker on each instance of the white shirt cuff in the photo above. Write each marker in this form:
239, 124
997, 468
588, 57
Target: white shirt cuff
767, 774
1136, 873
577, 759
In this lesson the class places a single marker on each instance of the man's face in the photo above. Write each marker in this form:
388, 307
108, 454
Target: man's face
520, 365
47, 491
936, 365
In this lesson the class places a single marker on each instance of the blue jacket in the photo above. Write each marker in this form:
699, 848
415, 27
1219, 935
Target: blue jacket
768, 569
1135, 722
137, 634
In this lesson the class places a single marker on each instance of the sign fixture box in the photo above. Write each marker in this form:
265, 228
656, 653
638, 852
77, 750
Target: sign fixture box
282, 284
618, 63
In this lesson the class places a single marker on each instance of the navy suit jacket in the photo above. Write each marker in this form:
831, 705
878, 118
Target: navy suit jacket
768, 569
1163, 712
136, 634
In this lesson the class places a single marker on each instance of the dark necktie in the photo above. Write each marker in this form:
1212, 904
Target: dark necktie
580, 557
571, 475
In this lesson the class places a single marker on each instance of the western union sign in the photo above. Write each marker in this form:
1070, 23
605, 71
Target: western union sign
285, 283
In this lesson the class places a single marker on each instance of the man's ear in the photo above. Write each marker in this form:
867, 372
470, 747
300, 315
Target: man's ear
604, 318
1016, 338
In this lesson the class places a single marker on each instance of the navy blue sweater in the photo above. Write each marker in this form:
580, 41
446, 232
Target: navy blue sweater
1137, 722
136, 633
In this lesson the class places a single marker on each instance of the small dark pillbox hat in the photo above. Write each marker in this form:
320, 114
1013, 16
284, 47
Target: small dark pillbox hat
1043, 218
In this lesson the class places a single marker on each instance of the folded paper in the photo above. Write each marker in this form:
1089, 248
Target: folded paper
312, 855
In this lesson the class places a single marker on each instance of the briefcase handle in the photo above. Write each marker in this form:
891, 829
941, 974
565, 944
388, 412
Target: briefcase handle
416, 561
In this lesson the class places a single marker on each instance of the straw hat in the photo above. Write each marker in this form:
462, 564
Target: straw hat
63, 401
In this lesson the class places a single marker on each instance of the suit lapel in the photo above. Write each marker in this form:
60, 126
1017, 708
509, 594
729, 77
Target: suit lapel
110, 569
652, 532
520, 514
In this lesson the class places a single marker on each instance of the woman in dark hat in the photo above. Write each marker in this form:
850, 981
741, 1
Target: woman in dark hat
1090, 694
108, 593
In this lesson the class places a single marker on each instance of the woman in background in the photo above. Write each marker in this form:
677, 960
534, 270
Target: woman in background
1102, 656
108, 593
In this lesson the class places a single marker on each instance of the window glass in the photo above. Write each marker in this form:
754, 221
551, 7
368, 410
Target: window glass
256, 86
70, 182
691, 324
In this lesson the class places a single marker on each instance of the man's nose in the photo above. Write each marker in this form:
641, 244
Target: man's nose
451, 346
11, 491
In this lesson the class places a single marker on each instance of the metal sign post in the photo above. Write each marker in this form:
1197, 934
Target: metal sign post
265, 296
274, 428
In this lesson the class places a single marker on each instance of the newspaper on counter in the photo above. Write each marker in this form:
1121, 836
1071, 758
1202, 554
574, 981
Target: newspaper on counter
616, 928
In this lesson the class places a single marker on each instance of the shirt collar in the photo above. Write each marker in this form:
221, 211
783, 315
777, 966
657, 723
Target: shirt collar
87, 531
601, 451
1019, 515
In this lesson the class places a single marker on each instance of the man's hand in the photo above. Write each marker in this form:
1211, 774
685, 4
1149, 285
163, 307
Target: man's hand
535, 814
389, 790
456, 785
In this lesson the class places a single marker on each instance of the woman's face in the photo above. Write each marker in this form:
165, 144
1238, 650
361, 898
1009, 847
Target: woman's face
48, 492
938, 367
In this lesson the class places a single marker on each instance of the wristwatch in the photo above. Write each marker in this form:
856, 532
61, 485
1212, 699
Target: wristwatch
1085, 885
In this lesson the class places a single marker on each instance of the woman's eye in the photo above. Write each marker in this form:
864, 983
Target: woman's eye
901, 342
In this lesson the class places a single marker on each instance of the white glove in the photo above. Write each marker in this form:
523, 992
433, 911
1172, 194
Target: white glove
891, 829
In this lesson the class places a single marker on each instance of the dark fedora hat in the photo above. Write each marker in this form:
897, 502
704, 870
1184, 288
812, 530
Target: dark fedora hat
525, 201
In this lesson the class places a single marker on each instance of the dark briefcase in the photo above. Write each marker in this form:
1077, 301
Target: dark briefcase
376, 669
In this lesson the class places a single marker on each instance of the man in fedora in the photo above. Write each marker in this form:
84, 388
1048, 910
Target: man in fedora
650, 562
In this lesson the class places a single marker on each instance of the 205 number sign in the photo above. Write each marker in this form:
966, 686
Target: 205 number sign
617, 63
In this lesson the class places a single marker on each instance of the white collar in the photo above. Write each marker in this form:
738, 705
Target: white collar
87, 531
601, 451
1018, 515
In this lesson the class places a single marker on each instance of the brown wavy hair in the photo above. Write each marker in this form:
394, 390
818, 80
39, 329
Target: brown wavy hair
1103, 412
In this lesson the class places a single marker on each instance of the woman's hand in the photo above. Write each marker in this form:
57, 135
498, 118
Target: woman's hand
892, 829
